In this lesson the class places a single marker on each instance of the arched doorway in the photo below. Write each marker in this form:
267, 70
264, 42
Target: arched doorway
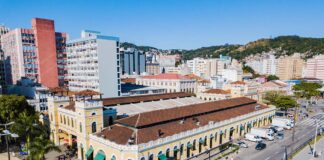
100, 155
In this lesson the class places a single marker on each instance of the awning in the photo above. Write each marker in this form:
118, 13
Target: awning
100, 156
162, 157
89, 152
189, 145
201, 140
249, 125
176, 150
242, 127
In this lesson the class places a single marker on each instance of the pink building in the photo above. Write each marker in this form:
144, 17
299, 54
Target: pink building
315, 68
33, 53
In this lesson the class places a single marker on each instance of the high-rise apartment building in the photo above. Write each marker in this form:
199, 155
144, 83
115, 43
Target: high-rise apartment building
315, 67
206, 67
32, 53
290, 67
132, 61
266, 64
93, 63
3, 30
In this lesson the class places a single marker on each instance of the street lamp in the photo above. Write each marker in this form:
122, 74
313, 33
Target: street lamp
7, 133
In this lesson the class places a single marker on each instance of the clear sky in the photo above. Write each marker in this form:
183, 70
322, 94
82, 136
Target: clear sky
168, 24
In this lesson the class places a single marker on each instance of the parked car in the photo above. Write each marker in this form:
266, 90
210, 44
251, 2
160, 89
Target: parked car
242, 144
260, 146
252, 137
280, 135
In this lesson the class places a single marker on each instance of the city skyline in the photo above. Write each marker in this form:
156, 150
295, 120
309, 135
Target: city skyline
174, 24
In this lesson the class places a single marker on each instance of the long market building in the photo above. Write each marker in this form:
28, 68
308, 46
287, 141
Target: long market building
179, 132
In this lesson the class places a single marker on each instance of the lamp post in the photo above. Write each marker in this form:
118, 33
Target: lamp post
6, 134
315, 139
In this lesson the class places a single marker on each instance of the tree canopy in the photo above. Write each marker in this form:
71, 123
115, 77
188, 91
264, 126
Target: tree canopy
279, 100
272, 77
307, 90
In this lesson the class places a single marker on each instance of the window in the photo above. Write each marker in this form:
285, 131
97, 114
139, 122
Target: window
94, 127
80, 127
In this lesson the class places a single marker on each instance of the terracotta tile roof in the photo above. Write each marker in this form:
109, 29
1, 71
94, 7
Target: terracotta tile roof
117, 134
129, 80
274, 84
217, 91
166, 76
71, 106
87, 92
58, 89
239, 83
197, 78
120, 133
162, 116
143, 98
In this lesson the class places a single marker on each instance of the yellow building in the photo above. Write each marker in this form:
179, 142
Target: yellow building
290, 67
180, 132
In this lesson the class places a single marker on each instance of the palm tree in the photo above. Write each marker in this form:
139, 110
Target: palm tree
40, 146
27, 127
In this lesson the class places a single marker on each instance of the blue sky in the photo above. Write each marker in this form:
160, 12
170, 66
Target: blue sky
168, 24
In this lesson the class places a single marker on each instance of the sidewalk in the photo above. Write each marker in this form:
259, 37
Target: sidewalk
305, 154
4, 156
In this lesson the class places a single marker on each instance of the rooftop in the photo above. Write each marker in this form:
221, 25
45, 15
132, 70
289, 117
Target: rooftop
217, 91
162, 123
143, 98
166, 76
239, 83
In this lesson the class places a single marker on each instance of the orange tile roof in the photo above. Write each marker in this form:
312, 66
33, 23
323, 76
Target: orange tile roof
129, 80
239, 83
87, 92
217, 91
149, 126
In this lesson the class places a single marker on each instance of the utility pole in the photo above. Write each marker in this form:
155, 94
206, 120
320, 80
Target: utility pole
293, 131
6, 134
315, 138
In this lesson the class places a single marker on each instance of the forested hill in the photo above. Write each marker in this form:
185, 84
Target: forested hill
282, 45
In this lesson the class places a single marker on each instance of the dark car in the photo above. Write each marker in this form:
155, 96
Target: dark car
280, 135
274, 129
260, 146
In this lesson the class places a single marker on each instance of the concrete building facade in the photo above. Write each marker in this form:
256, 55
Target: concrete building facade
315, 67
93, 62
290, 67
32, 53
132, 61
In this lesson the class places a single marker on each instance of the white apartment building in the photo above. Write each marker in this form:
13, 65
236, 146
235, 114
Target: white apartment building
264, 65
315, 68
233, 74
206, 67
93, 63
171, 82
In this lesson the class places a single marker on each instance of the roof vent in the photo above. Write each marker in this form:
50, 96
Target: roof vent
181, 122
131, 140
211, 122
257, 107
197, 123
160, 133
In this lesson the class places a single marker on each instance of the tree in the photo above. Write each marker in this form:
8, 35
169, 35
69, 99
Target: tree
307, 90
285, 102
11, 106
279, 100
272, 77
28, 127
248, 69
40, 146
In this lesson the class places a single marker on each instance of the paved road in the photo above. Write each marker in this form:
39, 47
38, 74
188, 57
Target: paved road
276, 150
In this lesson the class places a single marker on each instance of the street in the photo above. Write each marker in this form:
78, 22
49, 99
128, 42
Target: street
276, 149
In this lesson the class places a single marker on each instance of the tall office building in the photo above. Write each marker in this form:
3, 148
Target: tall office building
3, 30
290, 67
315, 67
32, 53
93, 63
132, 61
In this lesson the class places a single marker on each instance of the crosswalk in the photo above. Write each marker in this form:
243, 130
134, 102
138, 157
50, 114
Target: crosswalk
319, 118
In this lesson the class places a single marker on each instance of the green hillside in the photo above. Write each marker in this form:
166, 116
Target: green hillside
283, 45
